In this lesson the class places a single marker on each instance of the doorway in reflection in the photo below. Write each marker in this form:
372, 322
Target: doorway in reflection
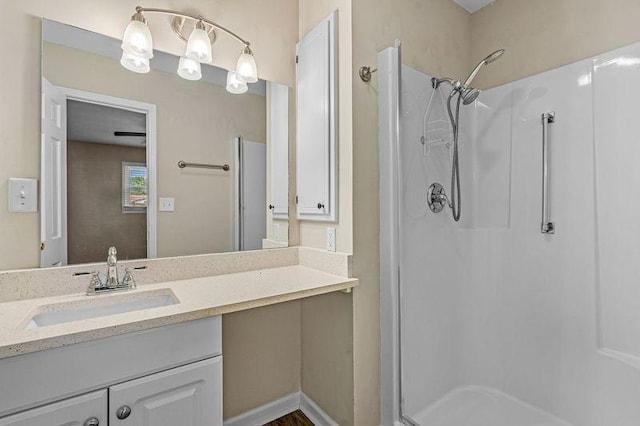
107, 182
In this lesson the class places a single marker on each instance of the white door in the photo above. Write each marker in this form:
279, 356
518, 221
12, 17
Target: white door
89, 409
316, 129
53, 177
251, 194
185, 396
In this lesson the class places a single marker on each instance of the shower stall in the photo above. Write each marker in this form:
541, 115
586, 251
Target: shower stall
526, 311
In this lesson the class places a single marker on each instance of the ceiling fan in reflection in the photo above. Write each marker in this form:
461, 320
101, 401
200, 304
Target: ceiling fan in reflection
132, 134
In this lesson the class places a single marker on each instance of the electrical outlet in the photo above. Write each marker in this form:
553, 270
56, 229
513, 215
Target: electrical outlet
167, 205
331, 239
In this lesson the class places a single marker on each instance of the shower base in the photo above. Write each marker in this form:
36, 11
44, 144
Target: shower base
482, 406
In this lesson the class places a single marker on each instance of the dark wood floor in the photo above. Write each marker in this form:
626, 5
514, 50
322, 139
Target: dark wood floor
297, 418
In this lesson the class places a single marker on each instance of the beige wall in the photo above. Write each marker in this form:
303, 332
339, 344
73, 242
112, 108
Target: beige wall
94, 203
435, 37
262, 358
541, 35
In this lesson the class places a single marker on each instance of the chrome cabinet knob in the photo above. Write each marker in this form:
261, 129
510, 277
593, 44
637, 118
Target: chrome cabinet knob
123, 412
93, 421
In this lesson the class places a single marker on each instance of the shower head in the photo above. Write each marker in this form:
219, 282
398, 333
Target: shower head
469, 95
492, 57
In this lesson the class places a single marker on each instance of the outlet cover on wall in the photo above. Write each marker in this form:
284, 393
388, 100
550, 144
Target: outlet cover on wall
167, 205
331, 239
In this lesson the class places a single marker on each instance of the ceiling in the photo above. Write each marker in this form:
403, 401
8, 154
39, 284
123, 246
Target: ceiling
96, 123
473, 5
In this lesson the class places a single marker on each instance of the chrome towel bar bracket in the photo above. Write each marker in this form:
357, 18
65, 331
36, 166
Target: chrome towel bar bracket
366, 72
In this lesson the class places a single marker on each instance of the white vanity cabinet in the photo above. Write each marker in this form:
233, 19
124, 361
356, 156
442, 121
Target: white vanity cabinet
165, 376
187, 396
84, 410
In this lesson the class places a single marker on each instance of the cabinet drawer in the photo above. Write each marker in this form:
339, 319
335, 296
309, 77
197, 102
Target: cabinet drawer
185, 396
70, 412
38, 378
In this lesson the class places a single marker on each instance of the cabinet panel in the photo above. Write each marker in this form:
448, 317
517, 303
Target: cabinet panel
185, 396
317, 123
70, 412
278, 147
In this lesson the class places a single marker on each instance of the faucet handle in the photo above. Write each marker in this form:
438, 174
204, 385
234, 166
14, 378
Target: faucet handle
96, 283
128, 280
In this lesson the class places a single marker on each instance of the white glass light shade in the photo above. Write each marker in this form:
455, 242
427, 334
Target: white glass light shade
246, 68
199, 46
234, 85
137, 40
189, 69
135, 63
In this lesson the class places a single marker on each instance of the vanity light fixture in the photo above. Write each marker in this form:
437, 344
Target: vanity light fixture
246, 67
235, 85
189, 69
137, 48
135, 63
199, 44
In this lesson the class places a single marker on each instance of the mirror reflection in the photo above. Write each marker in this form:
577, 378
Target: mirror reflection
152, 163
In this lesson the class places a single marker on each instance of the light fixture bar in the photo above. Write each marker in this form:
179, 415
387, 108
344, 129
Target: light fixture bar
140, 9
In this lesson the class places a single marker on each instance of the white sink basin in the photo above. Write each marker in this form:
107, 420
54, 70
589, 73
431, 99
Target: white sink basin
100, 306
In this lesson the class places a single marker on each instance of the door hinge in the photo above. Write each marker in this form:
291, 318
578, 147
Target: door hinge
296, 199
297, 59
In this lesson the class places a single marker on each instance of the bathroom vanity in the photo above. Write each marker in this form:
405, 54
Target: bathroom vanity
149, 356
164, 376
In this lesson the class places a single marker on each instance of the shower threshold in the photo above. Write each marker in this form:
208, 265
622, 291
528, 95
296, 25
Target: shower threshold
483, 406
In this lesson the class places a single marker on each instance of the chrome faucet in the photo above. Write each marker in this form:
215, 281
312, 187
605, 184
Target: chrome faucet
112, 283
112, 268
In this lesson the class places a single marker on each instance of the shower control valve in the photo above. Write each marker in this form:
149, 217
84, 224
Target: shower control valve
437, 198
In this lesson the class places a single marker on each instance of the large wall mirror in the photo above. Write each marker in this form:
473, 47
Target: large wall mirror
155, 164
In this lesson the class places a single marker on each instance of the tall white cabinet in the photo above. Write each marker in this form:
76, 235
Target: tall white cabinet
317, 130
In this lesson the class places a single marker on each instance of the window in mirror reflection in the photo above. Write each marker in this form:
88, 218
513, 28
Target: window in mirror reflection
134, 187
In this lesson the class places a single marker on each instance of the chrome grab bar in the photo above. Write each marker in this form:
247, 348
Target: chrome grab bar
547, 227
183, 164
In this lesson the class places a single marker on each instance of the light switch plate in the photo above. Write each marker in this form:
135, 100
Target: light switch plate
23, 195
167, 205
331, 239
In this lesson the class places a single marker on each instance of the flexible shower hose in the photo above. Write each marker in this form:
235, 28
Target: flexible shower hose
455, 167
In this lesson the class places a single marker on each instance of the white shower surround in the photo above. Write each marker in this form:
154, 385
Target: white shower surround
553, 320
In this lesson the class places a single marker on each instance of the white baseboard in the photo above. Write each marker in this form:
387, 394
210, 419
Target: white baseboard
316, 414
281, 407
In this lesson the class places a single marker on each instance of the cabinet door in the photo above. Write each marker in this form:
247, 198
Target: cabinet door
84, 410
185, 396
316, 149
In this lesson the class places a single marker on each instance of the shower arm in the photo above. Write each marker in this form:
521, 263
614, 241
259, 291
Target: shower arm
436, 82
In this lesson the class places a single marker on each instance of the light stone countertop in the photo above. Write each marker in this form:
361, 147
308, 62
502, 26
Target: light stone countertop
198, 297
